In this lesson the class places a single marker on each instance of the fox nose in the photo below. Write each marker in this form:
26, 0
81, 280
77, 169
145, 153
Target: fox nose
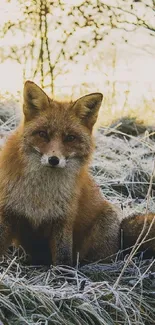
53, 161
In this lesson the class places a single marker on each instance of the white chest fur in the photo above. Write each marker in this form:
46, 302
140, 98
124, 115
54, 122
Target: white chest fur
42, 194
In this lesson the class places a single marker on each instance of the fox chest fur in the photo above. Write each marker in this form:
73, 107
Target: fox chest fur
41, 195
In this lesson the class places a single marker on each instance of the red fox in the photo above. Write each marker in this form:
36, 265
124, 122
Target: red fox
49, 203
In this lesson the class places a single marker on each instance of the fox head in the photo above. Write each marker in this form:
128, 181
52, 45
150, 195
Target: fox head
58, 134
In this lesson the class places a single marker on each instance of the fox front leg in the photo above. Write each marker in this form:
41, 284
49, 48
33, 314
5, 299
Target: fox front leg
61, 244
5, 237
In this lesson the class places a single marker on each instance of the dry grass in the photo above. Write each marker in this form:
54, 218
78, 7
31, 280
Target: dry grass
59, 295
122, 167
94, 294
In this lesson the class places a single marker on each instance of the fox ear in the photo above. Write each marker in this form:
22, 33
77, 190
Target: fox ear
87, 107
35, 100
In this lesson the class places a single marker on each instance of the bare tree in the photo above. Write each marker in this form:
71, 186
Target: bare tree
58, 32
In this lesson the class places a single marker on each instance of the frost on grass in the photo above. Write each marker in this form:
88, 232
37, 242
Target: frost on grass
99, 293
123, 167
10, 115
63, 295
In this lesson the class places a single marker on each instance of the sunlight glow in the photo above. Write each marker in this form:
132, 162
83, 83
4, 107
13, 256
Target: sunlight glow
123, 71
11, 80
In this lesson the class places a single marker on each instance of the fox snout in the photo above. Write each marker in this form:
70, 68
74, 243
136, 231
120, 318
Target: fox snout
52, 154
53, 161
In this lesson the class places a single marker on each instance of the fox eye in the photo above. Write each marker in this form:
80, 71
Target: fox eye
43, 134
70, 138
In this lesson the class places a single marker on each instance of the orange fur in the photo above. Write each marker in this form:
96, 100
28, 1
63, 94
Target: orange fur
55, 211
132, 227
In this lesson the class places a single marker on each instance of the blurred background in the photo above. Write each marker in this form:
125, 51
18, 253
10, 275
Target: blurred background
71, 48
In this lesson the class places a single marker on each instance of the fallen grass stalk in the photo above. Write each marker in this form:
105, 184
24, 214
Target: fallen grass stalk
139, 242
3, 275
140, 140
142, 276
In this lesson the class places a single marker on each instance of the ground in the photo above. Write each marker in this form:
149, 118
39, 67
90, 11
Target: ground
122, 292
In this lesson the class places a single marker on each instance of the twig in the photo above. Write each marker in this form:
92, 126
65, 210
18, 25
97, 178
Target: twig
8, 268
138, 243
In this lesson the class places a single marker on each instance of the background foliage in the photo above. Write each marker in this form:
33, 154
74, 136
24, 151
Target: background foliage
73, 47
